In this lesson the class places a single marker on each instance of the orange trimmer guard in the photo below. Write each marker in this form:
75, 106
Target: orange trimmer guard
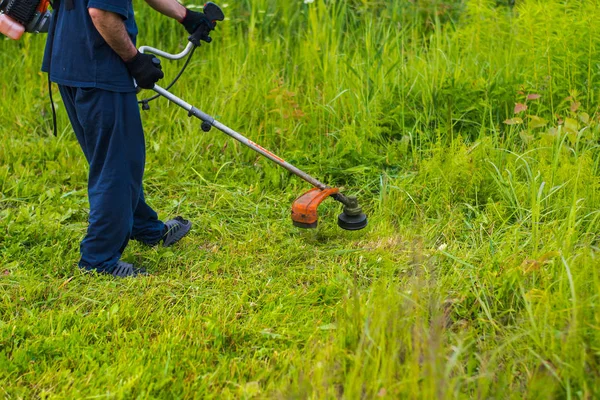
304, 209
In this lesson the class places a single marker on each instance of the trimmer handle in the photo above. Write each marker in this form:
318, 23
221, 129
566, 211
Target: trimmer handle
214, 13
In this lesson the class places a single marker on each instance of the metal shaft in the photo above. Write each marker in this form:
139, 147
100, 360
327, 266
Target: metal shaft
193, 111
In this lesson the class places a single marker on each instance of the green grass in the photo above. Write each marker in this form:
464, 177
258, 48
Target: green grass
478, 276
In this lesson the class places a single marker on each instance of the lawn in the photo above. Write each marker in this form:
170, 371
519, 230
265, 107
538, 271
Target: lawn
469, 129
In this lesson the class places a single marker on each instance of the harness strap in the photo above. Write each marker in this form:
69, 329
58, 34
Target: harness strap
51, 34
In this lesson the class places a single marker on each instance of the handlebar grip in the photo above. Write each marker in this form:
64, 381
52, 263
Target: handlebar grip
213, 12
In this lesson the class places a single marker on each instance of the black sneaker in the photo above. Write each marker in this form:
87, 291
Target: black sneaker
176, 229
125, 270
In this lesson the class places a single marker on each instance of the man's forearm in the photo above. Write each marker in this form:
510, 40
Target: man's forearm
170, 8
112, 29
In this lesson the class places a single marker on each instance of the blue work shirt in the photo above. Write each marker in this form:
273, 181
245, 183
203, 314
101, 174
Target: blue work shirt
77, 55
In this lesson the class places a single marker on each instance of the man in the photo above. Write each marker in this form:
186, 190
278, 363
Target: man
91, 55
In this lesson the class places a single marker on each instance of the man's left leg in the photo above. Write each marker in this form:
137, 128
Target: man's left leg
147, 228
150, 231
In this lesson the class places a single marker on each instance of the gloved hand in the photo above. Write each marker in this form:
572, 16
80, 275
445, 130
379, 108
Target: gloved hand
145, 69
198, 24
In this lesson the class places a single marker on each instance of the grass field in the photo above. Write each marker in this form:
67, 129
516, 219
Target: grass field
469, 129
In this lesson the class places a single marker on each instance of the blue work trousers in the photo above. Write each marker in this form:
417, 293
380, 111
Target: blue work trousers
109, 129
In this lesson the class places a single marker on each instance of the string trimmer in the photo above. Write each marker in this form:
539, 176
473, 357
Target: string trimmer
305, 208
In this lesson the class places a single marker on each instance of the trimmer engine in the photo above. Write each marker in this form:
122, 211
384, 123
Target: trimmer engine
18, 16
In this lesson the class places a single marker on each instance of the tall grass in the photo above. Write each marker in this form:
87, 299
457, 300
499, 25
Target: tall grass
477, 278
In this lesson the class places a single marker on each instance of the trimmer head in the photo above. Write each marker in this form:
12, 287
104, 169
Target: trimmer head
352, 219
305, 214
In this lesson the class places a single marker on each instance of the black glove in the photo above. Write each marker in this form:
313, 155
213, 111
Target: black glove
198, 24
145, 69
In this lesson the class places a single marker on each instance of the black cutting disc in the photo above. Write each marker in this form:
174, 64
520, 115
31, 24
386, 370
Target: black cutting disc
352, 222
